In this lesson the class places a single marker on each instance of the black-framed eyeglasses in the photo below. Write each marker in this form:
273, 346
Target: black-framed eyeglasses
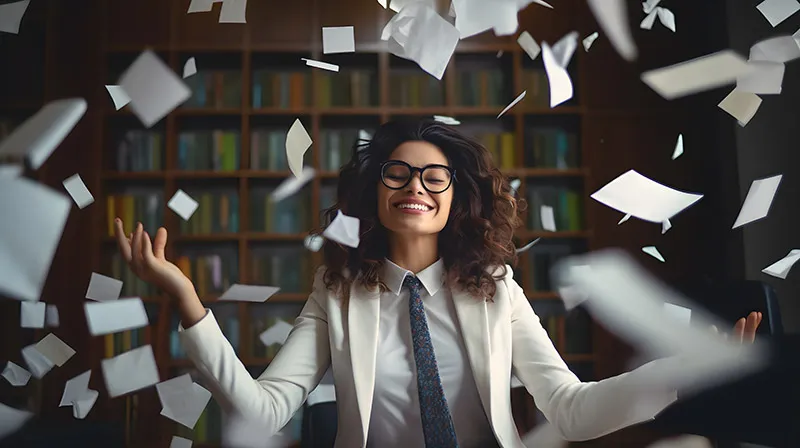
396, 174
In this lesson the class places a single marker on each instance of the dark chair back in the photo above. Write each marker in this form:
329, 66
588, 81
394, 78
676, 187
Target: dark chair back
319, 425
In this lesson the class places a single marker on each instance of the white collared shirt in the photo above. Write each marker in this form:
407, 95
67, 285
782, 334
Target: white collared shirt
395, 419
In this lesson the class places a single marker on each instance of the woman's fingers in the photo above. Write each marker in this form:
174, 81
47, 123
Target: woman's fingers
147, 252
123, 242
750, 327
738, 330
160, 243
136, 248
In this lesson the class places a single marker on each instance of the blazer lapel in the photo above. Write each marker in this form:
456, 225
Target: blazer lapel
363, 318
473, 319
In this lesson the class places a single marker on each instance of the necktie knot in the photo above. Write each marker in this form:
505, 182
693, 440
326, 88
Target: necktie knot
412, 283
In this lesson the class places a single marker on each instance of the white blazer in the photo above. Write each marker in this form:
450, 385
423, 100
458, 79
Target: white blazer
502, 337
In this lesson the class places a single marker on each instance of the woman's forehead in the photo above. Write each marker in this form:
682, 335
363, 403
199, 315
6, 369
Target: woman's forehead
419, 153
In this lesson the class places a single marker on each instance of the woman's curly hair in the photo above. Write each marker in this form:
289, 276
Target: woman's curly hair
478, 236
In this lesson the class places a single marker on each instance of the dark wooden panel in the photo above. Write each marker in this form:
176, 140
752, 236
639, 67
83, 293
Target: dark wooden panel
23, 55
137, 24
203, 30
291, 23
368, 18
549, 25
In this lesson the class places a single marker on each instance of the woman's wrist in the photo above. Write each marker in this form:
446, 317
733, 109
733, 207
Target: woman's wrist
190, 307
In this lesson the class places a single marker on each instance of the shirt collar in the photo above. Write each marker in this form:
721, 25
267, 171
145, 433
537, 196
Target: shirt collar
430, 277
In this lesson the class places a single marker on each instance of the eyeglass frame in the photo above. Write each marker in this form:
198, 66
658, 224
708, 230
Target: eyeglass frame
421, 171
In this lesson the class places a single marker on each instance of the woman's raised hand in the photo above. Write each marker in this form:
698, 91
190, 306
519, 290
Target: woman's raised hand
146, 260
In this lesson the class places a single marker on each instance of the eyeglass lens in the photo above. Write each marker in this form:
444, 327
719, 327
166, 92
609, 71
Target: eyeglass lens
434, 179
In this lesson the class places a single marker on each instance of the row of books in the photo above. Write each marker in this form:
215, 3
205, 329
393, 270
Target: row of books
285, 267
118, 343
268, 150
211, 274
209, 150
566, 204
412, 89
537, 86
291, 215
215, 89
502, 147
140, 151
541, 259
354, 88
281, 89
482, 88
551, 148
135, 207
336, 147
216, 213
132, 286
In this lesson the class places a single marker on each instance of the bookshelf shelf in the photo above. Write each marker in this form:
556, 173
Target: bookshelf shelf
280, 111
546, 172
528, 235
192, 112
262, 236
338, 111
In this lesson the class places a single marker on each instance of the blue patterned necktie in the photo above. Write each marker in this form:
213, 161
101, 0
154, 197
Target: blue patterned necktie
437, 424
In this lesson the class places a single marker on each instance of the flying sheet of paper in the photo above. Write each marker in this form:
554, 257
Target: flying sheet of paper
665, 16
653, 252
31, 222
678, 148
102, 288
758, 201
130, 371
180, 442
612, 15
183, 204
515, 382
118, 96
765, 78
75, 388
202, 5
696, 75
297, 143
276, 334
679, 313
11, 16
557, 76
782, 267
115, 316
649, 20
11, 170
314, 242
51, 316
741, 105
233, 11
446, 120
292, 184
322, 65
344, 230
154, 89
684, 441
634, 194
78, 191
476, 16
588, 41
41, 134
398, 5
32, 314
37, 363
776, 11
182, 402
532, 49
548, 218
190, 67
499, 53
16, 375
12, 419
665, 226
513, 103
338, 39
249, 293
514, 185
780, 49
54, 349
544, 436
82, 406
527, 246
649, 6
624, 218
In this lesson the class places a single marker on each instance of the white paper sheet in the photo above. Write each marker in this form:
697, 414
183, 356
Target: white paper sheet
741, 105
612, 15
684, 441
398, 5
557, 76
664, 15
130, 371
781, 49
532, 49
544, 435
653, 252
527, 246
12, 419
41, 134
765, 78
202, 5
78, 191
182, 400
649, 20
297, 143
649, 6
548, 218
679, 313
325, 392
51, 316
233, 11
513, 103
678, 148
338, 39
588, 41
54, 349
249, 293
476, 16
118, 96
276, 334
11, 16
514, 185
115, 316
344, 230
782, 267
634, 194
776, 11
32, 314
11, 170
314, 242
446, 120
16, 375
31, 223
292, 184
183, 204
696, 75
322, 65
180, 442
102, 288
75, 388
623, 219
82, 406
154, 89
758, 201
665, 226
515, 382
37, 363
190, 67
